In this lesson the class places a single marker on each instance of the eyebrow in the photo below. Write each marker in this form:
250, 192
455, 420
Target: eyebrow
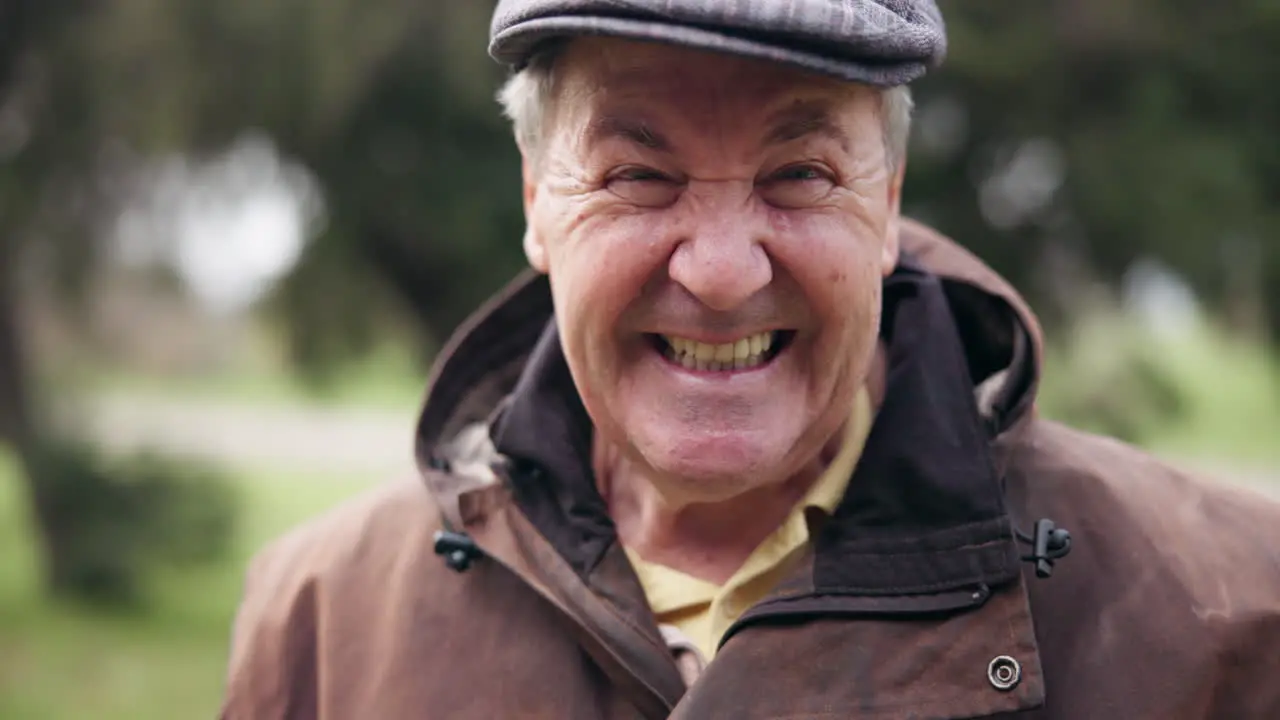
798, 121
607, 127
804, 119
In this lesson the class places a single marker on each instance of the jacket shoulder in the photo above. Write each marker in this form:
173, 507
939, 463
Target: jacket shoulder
1166, 564
1060, 460
1152, 541
395, 512
293, 580
1145, 524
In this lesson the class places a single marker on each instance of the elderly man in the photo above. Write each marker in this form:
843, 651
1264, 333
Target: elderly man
746, 443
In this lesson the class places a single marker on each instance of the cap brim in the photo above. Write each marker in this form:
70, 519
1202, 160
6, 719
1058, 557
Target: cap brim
514, 45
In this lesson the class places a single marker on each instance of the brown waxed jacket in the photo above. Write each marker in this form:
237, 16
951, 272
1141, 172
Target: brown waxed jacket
920, 598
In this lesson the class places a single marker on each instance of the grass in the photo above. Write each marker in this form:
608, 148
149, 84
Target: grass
65, 662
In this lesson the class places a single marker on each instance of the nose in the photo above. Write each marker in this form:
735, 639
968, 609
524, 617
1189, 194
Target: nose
722, 261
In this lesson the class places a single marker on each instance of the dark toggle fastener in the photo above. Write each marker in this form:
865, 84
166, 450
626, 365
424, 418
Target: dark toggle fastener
458, 550
1048, 544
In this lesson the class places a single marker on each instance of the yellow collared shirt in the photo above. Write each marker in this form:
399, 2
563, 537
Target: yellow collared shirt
703, 611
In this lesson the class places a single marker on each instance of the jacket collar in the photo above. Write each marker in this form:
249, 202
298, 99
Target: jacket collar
924, 513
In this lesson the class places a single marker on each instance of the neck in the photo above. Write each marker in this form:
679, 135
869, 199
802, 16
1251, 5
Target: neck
708, 540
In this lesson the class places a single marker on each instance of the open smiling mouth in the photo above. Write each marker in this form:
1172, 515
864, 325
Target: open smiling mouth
744, 354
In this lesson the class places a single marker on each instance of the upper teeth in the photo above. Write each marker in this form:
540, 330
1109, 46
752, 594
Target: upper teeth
743, 353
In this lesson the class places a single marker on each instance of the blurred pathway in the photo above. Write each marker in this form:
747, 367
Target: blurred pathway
302, 438
323, 439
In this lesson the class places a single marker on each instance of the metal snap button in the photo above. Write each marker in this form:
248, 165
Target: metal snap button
1004, 673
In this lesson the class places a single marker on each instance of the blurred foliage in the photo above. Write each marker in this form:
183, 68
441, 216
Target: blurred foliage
1197, 394
1113, 379
111, 524
1061, 141
70, 661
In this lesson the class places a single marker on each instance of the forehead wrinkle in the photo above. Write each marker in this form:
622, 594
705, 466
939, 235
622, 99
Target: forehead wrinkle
620, 96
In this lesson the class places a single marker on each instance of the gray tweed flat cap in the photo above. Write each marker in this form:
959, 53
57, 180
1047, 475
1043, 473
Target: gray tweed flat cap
878, 42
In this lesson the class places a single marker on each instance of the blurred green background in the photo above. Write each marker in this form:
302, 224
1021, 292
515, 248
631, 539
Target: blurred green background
233, 233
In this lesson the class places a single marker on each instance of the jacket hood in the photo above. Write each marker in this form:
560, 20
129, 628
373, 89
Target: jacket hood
481, 364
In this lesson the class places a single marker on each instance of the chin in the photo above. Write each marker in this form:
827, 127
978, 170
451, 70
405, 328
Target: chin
711, 469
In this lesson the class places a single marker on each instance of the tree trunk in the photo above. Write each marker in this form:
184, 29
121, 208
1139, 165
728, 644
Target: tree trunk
20, 428
15, 403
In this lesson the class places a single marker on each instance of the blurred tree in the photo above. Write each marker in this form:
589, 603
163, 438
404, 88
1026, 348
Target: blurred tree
63, 173
390, 104
379, 98
32, 161
1064, 141
1061, 142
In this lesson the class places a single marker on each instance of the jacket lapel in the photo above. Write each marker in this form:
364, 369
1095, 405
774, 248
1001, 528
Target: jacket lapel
629, 651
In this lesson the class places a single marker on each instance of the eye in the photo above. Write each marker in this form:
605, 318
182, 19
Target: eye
638, 174
644, 186
797, 172
797, 186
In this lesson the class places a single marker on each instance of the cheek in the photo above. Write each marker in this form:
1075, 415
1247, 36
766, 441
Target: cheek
857, 318
854, 343
836, 260
612, 256
839, 260
597, 272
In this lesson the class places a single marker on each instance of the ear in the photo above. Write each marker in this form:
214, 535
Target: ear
535, 247
892, 245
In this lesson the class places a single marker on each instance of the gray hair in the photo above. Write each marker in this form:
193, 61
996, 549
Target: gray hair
527, 98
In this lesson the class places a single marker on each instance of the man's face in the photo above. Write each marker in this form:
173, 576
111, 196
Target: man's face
715, 230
